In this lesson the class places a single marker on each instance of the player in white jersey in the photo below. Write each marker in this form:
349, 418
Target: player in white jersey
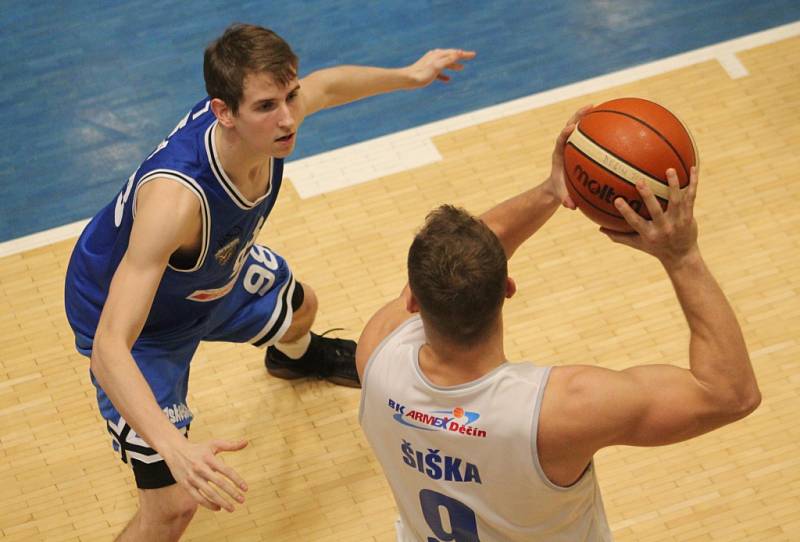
477, 448
172, 261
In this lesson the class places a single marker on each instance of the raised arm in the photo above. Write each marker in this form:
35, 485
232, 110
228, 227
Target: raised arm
513, 221
342, 84
518, 218
655, 404
167, 218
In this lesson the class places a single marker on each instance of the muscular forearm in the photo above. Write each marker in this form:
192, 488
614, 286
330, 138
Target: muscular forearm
517, 218
717, 351
116, 371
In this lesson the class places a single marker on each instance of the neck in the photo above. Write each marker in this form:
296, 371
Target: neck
448, 364
243, 166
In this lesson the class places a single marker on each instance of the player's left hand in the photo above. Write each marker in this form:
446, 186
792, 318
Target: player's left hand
557, 179
432, 65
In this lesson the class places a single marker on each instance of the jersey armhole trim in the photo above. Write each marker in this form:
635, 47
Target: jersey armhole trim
413, 318
535, 446
195, 189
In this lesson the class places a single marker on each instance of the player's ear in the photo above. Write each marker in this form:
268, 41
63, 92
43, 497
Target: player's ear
511, 287
223, 113
412, 305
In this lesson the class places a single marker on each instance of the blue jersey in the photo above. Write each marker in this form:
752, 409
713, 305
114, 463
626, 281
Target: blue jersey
187, 294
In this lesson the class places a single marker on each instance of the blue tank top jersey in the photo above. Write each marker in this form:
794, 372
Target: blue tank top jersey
230, 223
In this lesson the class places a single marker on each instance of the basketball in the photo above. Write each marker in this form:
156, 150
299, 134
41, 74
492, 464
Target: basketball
617, 143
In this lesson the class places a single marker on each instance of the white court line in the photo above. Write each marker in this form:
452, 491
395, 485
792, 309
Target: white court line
407, 149
347, 166
43, 238
732, 65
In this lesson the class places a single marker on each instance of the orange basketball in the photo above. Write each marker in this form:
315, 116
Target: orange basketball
617, 143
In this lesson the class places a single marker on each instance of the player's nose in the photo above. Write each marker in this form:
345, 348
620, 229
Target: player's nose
286, 118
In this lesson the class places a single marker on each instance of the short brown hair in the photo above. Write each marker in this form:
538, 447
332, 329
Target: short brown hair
243, 49
457, 271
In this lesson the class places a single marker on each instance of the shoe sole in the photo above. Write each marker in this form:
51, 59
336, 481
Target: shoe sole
288, 374
344, 382
285, 374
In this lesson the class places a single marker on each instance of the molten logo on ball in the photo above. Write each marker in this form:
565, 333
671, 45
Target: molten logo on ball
602, 191
618, 144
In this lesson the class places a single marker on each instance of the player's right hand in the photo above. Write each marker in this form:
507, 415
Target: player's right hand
670, 235
433, 65
557, 181
196, 468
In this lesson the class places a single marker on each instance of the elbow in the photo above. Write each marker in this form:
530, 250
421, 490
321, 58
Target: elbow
744, 402
100, 348
96, 359
730, 403
749, 394
750, 400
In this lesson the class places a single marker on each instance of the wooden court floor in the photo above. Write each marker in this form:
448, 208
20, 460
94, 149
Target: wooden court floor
581, 300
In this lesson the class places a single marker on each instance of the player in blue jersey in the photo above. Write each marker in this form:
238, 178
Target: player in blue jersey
171, 261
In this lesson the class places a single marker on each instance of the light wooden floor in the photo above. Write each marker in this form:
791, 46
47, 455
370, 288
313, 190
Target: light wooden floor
581, 300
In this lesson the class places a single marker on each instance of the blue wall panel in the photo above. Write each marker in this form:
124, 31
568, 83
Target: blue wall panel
91, 87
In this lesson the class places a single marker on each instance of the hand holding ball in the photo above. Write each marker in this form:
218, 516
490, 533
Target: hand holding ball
617, 143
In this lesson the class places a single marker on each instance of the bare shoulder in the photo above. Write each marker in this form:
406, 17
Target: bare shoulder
167, 217
571, 412
164, 192
575, 405
569, 394
381, 325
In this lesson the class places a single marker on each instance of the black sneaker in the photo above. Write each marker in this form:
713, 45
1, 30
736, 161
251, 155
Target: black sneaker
327, 358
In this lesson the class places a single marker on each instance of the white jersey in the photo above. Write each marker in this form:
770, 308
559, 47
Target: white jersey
462, 460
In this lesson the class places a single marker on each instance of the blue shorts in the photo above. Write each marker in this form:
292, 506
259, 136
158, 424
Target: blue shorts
260, 319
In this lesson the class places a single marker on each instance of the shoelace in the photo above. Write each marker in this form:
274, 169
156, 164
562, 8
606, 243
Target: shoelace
337, 341
338, 346
331, 330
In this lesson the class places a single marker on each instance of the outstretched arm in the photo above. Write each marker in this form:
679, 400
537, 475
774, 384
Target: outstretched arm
518, 218
342, 84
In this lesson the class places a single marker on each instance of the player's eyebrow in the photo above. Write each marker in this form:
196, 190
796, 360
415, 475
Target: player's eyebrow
270, 101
